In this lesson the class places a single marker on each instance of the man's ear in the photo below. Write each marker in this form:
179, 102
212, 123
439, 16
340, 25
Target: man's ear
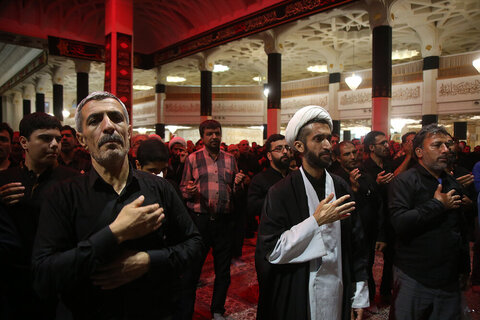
23, 142
419, 152
137, 164
269, 156
371, 147
81, 140
299, 146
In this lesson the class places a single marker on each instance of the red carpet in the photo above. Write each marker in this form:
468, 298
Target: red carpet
243, 292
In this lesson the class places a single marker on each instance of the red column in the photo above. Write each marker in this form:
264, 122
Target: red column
119, 50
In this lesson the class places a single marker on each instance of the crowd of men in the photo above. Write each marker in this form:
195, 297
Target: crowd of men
96, 224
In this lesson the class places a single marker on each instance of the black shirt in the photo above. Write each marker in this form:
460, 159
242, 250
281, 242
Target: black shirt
74, 239
431, 246
19, 225
258, 188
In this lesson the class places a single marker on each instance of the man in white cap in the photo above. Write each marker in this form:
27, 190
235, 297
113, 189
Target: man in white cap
310, 257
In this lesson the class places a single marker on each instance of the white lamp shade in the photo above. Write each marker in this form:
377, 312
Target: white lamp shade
353, 81
476, 64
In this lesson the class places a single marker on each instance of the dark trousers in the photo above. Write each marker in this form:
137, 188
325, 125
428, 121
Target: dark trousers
414, 301
216, 234
387, 274
476, 257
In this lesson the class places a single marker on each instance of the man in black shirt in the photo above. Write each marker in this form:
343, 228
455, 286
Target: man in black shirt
279, 156
380, 169
369, 205
68, 157
112, 243
23, 190
431, 249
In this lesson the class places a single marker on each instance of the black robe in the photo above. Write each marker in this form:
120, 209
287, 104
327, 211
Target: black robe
284, 287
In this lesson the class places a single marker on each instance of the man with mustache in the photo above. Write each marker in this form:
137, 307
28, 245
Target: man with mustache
379, 167
210, 180
68, 157
22, 192
114, 242
310, 252
279, 155
369, 206
431, 246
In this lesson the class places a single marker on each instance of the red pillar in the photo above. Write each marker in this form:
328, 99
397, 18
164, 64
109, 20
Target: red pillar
119, 50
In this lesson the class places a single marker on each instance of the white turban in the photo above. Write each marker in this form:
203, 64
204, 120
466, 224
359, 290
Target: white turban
301, 117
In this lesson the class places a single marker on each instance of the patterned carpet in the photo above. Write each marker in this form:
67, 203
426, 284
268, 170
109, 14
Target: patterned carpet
243, 292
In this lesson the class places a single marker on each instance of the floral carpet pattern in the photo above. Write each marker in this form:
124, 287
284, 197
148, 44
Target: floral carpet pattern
243, 292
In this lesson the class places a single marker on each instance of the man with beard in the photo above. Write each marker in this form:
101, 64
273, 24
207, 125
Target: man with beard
279, 156
369, 206
22, 191
210, 180
178, 154
310, 253
68, 157
112, 243
379, 167
431, 250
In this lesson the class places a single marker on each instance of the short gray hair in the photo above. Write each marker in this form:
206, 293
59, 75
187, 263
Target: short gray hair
97, 96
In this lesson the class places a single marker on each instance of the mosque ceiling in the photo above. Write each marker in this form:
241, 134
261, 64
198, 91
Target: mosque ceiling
339, 38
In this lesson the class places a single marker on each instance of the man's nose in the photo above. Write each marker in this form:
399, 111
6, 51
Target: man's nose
107, 124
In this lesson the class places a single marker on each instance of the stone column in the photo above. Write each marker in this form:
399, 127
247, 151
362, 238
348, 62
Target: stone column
82, 68
206, 95
119, 50
28, 96
40, 87
17, 108
431, 50
160, 103
460, 130
380, 18
57, 79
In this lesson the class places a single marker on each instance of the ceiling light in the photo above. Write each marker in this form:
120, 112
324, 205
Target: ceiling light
476, 64
173, 128
353, 81
318, 68
141, 87
257, 78
220, 68
266, 91
141, 130
175, 79
404, 54
65, 113
398, 123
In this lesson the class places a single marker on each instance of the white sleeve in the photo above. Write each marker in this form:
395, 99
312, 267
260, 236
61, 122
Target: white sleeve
361, 299
302, 243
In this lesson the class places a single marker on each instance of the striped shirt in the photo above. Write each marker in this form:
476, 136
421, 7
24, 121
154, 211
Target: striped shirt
214, 179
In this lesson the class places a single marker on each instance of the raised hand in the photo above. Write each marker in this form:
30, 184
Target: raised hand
330, 212
384, 178
354, 176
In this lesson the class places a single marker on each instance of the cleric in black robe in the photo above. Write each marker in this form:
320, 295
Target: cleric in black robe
284, 288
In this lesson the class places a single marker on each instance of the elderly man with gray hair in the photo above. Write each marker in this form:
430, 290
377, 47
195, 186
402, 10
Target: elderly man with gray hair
310, 255
114, 242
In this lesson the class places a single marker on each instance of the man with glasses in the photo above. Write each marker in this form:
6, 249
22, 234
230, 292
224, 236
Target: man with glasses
279, 155
379, 167
427, 214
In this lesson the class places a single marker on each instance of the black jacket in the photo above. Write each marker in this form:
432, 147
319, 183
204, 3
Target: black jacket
431, 246
258, 188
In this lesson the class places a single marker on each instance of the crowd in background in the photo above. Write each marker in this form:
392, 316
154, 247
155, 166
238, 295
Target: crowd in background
374, 157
